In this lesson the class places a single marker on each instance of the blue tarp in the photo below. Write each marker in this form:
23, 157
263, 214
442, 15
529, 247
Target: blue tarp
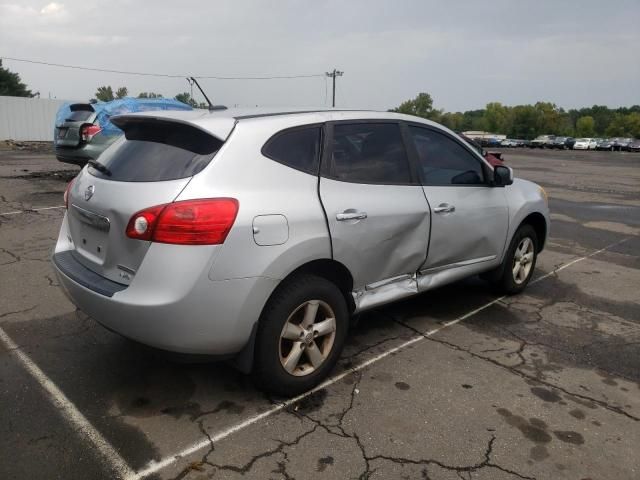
106, 110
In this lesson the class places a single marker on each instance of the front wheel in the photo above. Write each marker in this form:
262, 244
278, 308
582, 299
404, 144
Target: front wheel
519, 262
300, 336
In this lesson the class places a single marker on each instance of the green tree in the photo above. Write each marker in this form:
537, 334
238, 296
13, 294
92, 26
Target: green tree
105, 93
624, 125
523, 124
498, 118
585, 126
548, 118
149, 95
421, 106
189, 100
11, 85
454, 121
121, 92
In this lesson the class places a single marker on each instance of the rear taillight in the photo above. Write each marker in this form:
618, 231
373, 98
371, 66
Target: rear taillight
87, 132
189, 222
66, 194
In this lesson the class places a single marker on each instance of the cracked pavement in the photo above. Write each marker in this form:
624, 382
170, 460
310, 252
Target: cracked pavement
542, 385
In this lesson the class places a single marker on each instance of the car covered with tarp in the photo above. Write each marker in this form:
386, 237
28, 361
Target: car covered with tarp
84, 130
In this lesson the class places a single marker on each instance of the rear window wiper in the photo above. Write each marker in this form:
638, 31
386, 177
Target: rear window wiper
100, 167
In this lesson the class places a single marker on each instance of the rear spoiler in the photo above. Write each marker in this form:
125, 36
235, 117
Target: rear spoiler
217, 127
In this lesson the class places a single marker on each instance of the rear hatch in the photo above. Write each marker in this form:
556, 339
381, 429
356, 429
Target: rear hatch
150, 165
67, 130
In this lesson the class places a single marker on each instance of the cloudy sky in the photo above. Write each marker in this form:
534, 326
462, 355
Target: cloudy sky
573, 53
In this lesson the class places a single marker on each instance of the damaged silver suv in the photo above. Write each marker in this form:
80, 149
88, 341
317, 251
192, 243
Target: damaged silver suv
256, 235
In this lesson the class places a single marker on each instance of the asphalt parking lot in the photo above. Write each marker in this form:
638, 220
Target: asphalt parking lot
454, 384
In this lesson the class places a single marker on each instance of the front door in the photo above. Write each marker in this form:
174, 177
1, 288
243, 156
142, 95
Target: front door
377, 213
470, 218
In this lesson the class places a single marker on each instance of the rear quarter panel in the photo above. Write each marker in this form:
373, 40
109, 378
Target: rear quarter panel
262, 187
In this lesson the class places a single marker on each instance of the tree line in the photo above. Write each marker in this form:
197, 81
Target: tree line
529, 121
520, 121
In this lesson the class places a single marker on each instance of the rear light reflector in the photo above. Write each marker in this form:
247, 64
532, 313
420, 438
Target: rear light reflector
66, 194
188, 222
87, 132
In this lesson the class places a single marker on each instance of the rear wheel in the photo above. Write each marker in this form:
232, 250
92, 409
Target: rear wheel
519, 262
301, 334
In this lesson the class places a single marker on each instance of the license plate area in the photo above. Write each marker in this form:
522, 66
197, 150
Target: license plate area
93, 230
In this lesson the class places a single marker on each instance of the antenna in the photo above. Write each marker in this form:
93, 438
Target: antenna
211, 107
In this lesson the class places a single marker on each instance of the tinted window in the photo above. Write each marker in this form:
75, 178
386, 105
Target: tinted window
369, 153
157, 151
444, 161
79, 116
299, 149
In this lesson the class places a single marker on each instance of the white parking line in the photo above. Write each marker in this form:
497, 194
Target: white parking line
30, 210
155, 466
70, 412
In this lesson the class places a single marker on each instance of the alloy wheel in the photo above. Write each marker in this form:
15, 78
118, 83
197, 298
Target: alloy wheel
307, 338
522, 260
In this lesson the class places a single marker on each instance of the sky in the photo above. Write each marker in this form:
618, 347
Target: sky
464, 53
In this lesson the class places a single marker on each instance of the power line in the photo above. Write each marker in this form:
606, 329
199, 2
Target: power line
165, 75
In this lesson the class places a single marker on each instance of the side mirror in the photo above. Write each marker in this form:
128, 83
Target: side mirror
502, 176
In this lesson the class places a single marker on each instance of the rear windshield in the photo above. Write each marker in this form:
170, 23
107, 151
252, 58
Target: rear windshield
79, 116
157, 151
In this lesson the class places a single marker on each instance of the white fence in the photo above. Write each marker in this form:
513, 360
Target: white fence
27, 119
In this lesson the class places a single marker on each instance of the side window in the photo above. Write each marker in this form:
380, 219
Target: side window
369, 153
298, 148
444, 161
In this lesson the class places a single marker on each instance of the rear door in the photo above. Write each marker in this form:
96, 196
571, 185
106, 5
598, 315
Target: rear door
377, 213
148, 166
470, 218
67, 130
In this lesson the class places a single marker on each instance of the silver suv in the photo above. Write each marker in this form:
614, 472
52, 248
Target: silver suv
256, 235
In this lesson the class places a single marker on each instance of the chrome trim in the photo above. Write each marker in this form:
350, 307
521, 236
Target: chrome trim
341, 217
96, 220
458, 264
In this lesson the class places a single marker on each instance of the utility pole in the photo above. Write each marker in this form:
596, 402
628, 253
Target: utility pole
333, 75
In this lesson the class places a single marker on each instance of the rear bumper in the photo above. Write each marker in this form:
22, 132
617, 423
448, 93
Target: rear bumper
166, 308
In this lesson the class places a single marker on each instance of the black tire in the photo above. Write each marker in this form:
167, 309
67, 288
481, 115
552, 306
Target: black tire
269, 372
503, 277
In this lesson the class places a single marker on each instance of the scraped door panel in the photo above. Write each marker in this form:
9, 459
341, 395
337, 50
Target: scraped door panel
377, 214
390, 241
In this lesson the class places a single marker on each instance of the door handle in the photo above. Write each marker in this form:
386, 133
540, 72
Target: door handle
444, 208
346, 215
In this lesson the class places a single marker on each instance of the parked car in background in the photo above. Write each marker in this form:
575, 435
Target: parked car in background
541, 140
509, 143
523, 143
621, 144
634, 146
605, 144
494, 158
84, 130
562, 143
236, 234
585, 144
569, 143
